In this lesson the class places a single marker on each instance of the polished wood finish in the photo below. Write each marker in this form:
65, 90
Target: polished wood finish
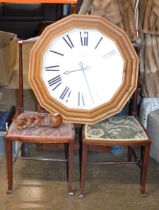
65, 139
142, 163
123, 93
69, 158
9, 166
57, 121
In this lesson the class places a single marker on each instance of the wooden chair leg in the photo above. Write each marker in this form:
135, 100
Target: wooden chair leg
83, 170
144, 168
9, 166
142, 148
130, 154
23, 150
70, 167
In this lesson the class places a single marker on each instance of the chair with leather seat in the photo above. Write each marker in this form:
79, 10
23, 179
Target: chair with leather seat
38, 128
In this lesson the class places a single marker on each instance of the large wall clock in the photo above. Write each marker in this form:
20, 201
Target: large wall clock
84, 68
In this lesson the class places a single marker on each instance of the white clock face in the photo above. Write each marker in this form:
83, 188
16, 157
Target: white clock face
82, 68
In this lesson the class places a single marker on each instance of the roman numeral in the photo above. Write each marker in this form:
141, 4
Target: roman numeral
80, 99
84, 38
56, 82
52, 68
57, 52
68, 41
98, 43
66, 92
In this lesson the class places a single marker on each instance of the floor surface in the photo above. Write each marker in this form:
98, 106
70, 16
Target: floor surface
43, 186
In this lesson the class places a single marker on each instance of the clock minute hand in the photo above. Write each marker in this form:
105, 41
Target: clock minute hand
87, 84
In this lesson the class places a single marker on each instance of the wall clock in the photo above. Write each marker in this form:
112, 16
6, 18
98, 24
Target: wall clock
83, 67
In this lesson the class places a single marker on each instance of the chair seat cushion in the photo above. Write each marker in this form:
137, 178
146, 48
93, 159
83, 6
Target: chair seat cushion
40, 131
125, 128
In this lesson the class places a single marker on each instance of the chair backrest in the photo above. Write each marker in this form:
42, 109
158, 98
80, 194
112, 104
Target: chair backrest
21, 83
134, 109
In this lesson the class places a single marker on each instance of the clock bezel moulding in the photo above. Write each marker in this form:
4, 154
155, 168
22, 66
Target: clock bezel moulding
122, 95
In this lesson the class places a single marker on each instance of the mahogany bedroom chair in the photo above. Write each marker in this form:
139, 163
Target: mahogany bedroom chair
124, 131
45, 134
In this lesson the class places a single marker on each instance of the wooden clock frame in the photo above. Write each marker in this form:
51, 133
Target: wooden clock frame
122, 95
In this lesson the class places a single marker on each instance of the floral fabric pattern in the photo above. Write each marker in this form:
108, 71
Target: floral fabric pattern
119, 128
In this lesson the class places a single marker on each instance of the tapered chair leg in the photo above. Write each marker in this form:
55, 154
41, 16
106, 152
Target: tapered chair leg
70, 163
130, 154
23, 150
83, 170
142, 149
9, 166
144, 168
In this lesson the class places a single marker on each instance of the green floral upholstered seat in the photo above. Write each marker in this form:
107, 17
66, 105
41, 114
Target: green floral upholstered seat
116, 128
117, 131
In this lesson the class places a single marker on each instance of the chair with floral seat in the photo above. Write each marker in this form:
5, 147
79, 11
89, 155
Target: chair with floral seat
123, 131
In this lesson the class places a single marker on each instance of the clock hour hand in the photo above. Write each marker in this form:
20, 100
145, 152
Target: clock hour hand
68, 72
80, 69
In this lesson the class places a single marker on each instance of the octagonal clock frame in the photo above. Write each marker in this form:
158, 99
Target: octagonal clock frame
130, 71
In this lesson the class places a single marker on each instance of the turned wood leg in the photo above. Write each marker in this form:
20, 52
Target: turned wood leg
83, 170
144, 167
9, 165
70, 167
